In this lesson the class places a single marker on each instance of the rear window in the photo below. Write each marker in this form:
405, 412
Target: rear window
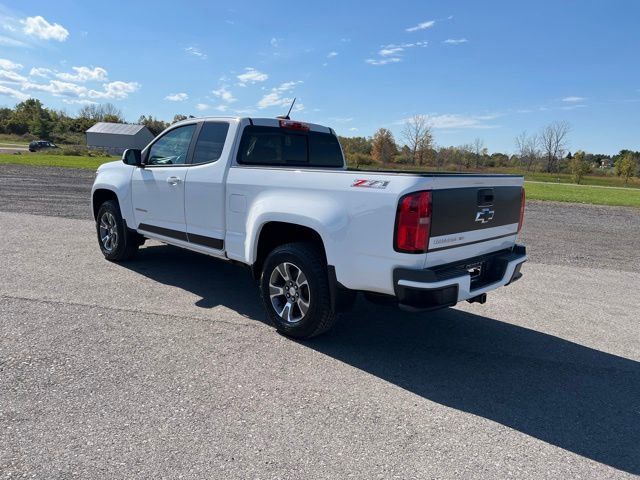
276, 146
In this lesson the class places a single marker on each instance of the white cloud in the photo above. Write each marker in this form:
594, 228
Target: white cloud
11, 77
40, 72
572, 107
251, 75
275, 42
9, 65
386, 52
222, 108
342, 119
392, 52
275, 98
286, 86
272, 99
332, 54
11, 42
13, 93
573, 99
78, 101
452, 120
57, 88
421, 26
177, 97
224, 94
115, 90
196, 52
383, 61
84, 74
455, 41
40, 28
202, 106
353, 129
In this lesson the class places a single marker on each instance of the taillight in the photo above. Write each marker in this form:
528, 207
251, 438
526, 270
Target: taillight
413, 223
522, 201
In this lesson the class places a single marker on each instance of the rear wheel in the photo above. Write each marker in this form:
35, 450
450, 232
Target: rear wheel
116, 241
295, 292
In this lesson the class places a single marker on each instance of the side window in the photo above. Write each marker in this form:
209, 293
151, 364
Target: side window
172, 148
210, 142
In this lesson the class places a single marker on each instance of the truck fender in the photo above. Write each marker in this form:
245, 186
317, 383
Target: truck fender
326, 217
118, 181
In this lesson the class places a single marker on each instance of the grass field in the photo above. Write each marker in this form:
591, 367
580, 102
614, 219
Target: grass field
46, 160
549, 190
596, 180
583, 194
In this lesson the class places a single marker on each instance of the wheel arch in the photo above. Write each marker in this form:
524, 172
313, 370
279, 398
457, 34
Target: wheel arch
101, 195
274, 233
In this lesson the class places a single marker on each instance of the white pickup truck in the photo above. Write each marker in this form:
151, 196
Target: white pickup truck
275, 195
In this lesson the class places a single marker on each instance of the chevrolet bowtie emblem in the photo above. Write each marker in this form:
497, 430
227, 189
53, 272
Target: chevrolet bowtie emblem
485, 215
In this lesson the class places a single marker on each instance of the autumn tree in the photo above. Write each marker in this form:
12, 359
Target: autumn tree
579, 166
626, 166
528, 148
479, 151
383, 146
418, 137
553, 140
106, 112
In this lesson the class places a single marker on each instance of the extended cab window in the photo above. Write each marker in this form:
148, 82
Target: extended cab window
210, 142
172, 148
276, 146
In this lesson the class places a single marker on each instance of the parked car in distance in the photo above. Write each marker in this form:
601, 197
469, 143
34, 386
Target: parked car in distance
275, 195
41, 145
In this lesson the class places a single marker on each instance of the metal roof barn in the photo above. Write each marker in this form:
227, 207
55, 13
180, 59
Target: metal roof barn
117, 137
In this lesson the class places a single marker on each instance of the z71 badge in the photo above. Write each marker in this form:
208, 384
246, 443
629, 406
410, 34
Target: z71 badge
364, 183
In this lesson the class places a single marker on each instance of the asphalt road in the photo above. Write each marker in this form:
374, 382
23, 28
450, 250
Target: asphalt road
164, 367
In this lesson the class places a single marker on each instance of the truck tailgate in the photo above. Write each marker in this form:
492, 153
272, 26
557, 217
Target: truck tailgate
468, 221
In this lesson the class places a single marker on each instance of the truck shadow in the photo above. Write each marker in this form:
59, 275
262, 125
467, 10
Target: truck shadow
578, 398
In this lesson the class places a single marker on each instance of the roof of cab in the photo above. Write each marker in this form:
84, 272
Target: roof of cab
261, 121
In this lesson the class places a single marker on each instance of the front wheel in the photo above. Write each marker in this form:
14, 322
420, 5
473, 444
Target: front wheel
294, 287
116, 242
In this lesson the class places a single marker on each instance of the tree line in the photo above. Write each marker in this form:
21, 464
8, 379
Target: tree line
546, 150
32, 120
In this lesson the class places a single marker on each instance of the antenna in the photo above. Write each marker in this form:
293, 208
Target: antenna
286, 117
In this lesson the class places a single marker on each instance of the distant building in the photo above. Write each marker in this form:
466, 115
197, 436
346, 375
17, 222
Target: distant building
606, 163
117, 137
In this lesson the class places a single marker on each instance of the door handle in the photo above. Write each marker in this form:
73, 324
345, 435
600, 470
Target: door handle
173, 180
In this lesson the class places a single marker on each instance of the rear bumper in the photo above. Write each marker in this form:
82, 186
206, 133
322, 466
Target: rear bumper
446, 285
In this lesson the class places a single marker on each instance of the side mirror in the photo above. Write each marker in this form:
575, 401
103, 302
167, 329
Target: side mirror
132, 157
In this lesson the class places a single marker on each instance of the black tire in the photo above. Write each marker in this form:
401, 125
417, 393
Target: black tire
122, 246
319, 316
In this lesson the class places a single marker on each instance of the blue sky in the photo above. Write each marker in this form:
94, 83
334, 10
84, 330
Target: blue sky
484, 70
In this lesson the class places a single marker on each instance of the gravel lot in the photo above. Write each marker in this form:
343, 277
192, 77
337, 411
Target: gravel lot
164, 367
